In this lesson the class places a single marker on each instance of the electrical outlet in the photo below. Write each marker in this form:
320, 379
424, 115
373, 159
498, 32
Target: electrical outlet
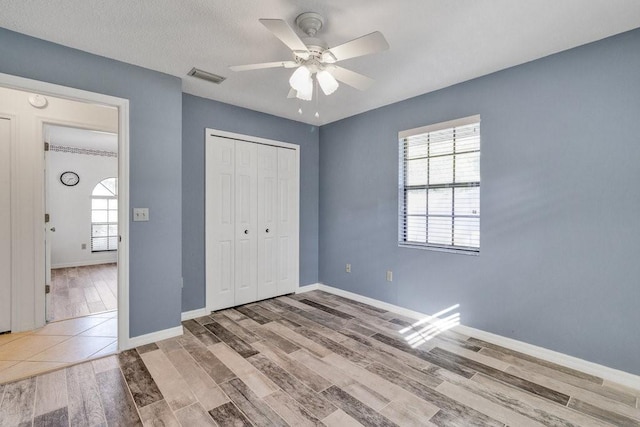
83, 246
141, 214
389, 276
348, 268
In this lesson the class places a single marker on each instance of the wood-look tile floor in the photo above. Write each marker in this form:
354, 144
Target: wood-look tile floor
316, 359
80, 291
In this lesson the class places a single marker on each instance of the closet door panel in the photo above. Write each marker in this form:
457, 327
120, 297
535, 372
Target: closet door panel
220, 220
267, 221
246, 253
287, 220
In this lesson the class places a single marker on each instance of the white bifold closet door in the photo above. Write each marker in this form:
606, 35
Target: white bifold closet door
251, 221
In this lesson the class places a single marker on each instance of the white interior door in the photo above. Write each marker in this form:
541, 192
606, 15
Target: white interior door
267, 221
48, 229
246, 222
5, 224
220, 223
288, 194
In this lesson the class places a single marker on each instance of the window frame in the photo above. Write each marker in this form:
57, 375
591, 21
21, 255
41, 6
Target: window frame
403, 188
107, 223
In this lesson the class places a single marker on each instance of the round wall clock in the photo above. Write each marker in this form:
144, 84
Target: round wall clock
69, 178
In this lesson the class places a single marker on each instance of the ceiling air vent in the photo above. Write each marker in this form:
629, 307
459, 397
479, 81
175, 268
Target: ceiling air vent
205, 75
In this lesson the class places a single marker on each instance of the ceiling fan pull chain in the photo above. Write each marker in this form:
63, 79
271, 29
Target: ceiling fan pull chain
317, 115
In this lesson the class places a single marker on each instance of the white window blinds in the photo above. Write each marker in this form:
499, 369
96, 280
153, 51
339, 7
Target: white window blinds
104, 216
439, 186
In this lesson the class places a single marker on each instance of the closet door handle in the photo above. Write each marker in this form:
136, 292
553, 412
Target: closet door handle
246, 231
267, 230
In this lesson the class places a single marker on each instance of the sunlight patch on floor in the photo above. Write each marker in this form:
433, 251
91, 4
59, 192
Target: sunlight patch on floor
429, 327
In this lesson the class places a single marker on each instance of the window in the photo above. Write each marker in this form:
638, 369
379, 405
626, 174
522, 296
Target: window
104, 216
439, 186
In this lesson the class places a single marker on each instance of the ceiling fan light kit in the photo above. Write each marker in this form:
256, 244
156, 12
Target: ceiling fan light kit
327, 82
306, 92
300, 79
314, 60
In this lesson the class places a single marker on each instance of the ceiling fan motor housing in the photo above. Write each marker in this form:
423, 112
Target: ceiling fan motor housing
310, 23
316, 47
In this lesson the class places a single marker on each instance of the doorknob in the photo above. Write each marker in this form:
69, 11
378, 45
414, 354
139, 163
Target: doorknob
246, 231
53, 229
267, 230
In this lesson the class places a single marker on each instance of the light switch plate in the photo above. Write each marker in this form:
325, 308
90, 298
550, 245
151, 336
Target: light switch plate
141, 214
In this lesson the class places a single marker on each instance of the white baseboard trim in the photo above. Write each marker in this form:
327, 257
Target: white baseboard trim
188, 315
308, 288
83, 263
374, 302
604, 372
153, 337
601, 371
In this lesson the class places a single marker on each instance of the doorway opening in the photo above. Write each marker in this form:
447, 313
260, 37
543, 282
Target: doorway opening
81, 185
38, 336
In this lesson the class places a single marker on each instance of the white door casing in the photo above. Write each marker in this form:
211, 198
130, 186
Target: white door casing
5, 224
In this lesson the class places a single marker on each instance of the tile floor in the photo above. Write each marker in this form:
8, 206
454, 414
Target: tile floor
79, 291
57, 344
316, 359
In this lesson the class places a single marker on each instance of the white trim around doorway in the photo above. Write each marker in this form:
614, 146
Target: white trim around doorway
44, 88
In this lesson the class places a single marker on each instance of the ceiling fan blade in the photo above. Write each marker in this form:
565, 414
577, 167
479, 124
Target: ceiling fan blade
285, 33
349, 77
249, 67
365, 45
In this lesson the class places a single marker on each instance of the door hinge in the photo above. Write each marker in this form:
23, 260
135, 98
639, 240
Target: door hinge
46, 218
46, 146
47, 289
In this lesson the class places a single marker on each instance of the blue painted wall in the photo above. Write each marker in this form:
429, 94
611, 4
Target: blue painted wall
558, 264
199, 114
155, 179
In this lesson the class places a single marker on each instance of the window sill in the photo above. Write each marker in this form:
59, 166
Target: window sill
440, 249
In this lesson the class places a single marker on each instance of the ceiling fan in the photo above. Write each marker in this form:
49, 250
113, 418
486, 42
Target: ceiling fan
314, 60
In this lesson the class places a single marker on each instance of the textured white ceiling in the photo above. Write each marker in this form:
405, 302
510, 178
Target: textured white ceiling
434, 43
